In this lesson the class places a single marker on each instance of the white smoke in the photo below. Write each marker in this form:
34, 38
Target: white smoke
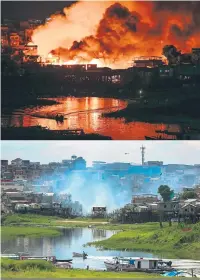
92, 192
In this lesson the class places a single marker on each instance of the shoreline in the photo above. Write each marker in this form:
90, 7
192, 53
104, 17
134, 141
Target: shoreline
40, 133
43, 269
147, 237
39, 102
150, 238
157, 113
162, 113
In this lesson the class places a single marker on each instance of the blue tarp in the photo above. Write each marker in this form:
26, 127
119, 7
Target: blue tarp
171, 273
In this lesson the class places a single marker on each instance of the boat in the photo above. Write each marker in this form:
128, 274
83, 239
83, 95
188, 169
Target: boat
150, 265
157, 138
59, 118
10, 256
68, 260
48, 258
77, 255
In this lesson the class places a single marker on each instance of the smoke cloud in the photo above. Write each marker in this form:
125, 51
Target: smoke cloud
93, 191
114, 32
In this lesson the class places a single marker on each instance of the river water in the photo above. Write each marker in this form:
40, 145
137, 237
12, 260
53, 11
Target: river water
72, 240
85, 113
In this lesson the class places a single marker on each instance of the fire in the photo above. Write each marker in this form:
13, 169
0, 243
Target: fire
112, 33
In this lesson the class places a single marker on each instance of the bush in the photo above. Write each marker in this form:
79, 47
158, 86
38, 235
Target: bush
17, 265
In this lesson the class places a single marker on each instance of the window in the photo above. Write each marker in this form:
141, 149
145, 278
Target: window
165, 206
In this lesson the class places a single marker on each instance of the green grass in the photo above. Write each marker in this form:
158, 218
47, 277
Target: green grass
43, 269
34, 219
150, 237
169, 241
11, 232
18, 265
29, 219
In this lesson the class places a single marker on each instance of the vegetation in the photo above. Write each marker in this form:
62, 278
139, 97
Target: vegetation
28, 219
166, 193
51, 221
43, 269
178, 240
189, 194
10, 232
17, 265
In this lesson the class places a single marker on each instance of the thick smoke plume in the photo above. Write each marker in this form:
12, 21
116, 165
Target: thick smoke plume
91, 191
114, 32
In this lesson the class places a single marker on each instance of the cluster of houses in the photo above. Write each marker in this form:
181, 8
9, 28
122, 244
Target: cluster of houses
149, 208
16, 199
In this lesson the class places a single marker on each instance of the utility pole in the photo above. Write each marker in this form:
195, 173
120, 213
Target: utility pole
143, 153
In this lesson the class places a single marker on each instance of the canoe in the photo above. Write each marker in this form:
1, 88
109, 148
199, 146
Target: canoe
63, 261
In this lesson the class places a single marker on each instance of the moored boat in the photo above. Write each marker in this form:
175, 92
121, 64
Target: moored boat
64, 261
150, 265
48, 258
10, 256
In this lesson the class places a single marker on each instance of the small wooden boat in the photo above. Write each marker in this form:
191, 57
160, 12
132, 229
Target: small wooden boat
59, 118
48, 258
10, 256
78, 255
63, 261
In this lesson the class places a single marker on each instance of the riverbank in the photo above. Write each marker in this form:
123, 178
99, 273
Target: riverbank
182, 107
43, 269
38, 133
182, 242
9, 107
50, 221
9, 232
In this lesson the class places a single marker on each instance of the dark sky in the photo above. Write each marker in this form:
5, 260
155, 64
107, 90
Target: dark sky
23, 10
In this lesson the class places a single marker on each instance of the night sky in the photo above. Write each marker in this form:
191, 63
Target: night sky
23, 10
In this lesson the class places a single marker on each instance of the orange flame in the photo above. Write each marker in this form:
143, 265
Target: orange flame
112, 33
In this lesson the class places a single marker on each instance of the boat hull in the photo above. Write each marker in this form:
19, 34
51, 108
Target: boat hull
132, 268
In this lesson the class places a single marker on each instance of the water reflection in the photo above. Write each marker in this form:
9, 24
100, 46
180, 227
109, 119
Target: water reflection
85, 113
71, 240
98, 234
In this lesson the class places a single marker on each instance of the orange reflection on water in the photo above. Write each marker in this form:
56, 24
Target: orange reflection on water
86, 113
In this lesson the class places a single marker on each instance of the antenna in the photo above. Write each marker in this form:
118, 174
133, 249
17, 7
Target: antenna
143, 153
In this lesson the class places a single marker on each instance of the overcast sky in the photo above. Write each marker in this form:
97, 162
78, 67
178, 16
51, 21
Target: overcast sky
184, 152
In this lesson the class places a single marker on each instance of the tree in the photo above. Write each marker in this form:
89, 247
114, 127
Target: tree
166, 193
189, 194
